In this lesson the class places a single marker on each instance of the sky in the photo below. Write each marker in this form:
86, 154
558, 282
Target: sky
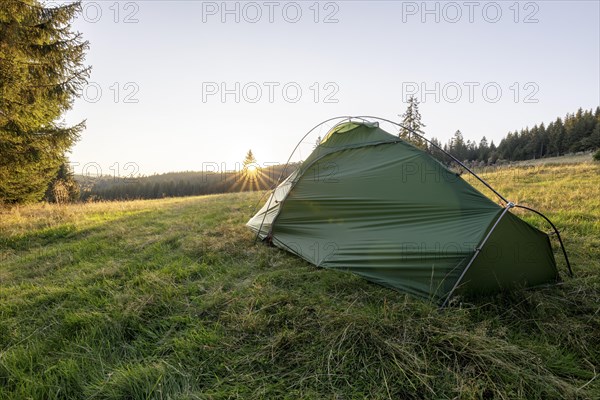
193, 85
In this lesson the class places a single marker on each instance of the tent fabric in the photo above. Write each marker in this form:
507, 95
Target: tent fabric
369, 203
515, 253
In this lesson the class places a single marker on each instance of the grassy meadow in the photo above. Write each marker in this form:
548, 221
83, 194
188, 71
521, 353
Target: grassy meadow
170, 299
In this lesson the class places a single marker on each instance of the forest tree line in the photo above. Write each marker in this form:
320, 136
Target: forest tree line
577, 132
179, 184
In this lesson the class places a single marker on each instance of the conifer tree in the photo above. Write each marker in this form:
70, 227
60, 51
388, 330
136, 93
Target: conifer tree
493, 153
557, 137
483, 150
250, 159
41, 73
411, 122
458, 147
594, 140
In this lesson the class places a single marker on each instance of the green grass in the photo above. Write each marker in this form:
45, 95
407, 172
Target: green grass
170, 299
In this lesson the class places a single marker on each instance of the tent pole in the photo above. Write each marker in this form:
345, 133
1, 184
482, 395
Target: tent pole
477, 251
562, 246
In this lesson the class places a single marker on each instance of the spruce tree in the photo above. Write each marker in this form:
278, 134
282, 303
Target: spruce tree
411, 123
594, 141
457, 146
250, 159
493, 153
557, 137
544, 140
41, 73
483, 150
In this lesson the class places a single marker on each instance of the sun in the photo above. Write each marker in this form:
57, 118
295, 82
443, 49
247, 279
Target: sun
251, 169
251, 172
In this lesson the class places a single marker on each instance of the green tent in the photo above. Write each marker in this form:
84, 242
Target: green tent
370, 203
